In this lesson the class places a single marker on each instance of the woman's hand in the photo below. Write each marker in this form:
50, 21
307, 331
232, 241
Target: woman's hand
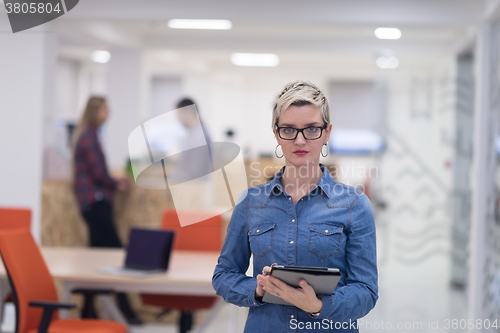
259, 291
123, 183
302, 297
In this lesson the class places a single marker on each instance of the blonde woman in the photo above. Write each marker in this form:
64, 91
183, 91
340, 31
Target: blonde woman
94, 187
303, 217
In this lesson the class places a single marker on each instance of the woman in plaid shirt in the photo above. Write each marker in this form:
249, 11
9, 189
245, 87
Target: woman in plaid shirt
94, 187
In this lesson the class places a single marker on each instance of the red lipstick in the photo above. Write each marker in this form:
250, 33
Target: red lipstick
300, 152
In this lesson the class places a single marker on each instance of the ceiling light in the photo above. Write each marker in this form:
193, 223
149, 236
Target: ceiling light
387, 62
101, 57
200, 24
255, 59
388, 33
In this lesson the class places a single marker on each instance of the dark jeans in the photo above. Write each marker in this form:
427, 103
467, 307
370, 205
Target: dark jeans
102, 233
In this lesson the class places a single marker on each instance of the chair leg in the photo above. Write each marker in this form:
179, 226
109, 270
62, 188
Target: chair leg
185, 321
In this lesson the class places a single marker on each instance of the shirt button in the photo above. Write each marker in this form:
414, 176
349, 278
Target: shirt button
293, 220
292, 316
302, 199
291, 242
258, 230
289, 198
326, 231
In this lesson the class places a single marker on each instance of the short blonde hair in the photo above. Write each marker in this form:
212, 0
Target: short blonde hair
300, 93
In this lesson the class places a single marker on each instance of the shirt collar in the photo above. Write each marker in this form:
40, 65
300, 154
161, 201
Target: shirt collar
326, 182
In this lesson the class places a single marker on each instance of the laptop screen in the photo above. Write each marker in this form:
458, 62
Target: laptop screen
149, 249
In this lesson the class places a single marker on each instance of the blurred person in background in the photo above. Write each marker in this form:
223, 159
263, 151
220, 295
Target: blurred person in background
94, 187
302, 217
192, 163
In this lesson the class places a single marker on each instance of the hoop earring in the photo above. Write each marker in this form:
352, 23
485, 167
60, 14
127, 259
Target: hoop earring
325, 145
276, 152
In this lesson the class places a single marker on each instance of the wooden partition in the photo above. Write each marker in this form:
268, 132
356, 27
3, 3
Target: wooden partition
62, 224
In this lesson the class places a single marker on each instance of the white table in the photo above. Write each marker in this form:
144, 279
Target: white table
189, 273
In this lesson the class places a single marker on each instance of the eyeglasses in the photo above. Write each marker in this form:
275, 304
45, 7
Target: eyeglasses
309, 133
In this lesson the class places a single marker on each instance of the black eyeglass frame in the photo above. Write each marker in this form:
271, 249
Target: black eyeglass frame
301, 130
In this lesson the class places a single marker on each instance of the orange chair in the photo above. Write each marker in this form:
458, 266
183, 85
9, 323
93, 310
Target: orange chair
13, 218
201, 236
33, 289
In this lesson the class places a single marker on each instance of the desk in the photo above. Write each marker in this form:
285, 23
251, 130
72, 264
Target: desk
77, 268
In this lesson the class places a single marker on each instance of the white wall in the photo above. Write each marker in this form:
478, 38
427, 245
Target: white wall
126, 92
164, 95
355, 105
27, 67
67, 90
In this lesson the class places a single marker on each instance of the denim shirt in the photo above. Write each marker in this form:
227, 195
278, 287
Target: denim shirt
331, 226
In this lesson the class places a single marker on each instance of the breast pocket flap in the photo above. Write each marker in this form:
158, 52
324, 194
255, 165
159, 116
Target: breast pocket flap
261, 229
325, 229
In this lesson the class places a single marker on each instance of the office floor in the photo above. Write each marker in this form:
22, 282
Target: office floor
219, 324
416, 299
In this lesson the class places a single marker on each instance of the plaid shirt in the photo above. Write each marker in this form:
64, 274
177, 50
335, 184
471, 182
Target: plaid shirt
92, 181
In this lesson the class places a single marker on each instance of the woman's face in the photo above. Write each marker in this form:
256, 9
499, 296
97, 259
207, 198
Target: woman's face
103, 113
302, 152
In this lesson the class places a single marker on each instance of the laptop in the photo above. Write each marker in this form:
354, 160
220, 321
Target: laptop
148, 252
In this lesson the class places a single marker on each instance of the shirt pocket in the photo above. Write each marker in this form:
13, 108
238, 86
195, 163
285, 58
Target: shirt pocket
261, 239
325, 239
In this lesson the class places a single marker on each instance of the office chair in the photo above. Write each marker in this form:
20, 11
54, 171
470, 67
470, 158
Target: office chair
12, 218
15, 218
32, 286
201, 236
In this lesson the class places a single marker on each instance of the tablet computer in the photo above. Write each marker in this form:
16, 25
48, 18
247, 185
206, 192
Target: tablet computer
322, 279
